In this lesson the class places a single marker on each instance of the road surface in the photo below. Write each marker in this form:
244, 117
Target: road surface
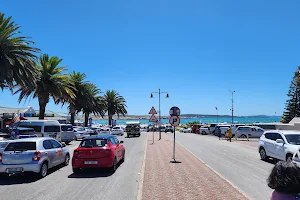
62, 184
238, 162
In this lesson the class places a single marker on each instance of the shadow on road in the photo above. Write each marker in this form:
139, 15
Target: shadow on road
92, 173
271, 161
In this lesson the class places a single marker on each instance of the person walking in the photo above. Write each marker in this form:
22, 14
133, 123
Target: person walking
219, 132
285, 181
229, 134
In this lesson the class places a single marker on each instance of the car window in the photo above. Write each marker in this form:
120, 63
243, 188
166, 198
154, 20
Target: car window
89, 143
116, 140
269, 136
293, 139
21, 146
277, 136
36, 128
47, 144
112, 141
52, 129
55, 144
66, 128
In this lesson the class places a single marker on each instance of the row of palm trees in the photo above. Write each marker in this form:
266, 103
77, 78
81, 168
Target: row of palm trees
30, 76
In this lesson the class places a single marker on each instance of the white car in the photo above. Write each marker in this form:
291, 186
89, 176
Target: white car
90, 131
104, 130
251, 131
279, 144
80, 133
204, 130
187, 130
117, 130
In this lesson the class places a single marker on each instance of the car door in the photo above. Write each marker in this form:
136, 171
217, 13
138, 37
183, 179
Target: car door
49, 153
57, 150
118, 148
257, 132
269, 144
279, 147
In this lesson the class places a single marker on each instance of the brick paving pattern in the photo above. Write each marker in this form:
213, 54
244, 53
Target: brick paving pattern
191, 179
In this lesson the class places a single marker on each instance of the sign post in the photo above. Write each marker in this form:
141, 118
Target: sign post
152, 112
174, 121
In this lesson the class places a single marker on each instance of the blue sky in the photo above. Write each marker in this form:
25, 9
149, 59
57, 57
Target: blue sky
195, 50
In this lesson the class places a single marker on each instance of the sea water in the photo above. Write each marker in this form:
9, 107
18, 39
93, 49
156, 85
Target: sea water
240, 120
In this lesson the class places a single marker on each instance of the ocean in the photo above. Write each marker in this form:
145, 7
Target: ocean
241, 120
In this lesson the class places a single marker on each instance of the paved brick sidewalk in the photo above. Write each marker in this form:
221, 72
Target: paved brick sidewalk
190, 179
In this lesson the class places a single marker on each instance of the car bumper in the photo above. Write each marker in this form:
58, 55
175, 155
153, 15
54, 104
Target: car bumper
25, 168
102, 163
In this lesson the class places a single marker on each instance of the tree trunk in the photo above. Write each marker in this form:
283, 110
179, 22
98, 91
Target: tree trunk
42, 111
72, 111
86, 119
109, 120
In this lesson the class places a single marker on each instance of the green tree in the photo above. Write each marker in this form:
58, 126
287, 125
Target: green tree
114, 104
93, 103
51, 82
292, 108
81, 91
17, 56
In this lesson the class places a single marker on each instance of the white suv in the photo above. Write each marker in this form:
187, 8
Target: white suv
279, 144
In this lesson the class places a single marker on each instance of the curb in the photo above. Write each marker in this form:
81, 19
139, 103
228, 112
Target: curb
141, 181
235, 187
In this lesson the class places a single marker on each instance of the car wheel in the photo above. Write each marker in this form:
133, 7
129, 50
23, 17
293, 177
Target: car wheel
67, 160
138, 135
114, 166
289, 157
203, 133
76, 170
243, 136
67, 143
43, 170
263, 155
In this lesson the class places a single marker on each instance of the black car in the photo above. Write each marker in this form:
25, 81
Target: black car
169, 129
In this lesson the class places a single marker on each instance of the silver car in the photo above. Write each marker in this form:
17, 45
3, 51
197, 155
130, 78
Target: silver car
80, 133
33, 155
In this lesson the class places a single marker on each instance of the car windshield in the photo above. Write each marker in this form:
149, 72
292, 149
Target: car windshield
21, 146
89, 143
293, 139
51, 129
80, 129
66, 128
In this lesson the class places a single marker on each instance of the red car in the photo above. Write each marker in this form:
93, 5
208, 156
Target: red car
99, 151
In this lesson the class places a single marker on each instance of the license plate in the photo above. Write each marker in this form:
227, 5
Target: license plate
90, 162
14, 170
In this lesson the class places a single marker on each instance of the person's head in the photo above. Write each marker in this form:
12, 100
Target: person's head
285, 177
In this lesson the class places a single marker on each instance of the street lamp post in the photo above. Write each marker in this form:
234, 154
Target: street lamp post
232, 105
217, 115
167, 96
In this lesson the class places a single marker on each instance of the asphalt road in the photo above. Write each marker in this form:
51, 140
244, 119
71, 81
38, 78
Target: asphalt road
62, 184
238, 162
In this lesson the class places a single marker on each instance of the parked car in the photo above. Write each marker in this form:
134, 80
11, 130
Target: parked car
33, 155
187, 130
279, 144
90, 131
43, 128
196, 128
117, 130
67, 133
98, 151
204, 130
80, 133
133, 128
151, 128
251, 131
212, 128
169, 129
21, 132
105, 130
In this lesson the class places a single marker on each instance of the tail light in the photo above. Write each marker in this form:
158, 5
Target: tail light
0, 157
76, 153
36, 156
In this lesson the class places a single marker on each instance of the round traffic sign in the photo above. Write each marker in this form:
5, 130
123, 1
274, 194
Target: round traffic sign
174, 120
174, 111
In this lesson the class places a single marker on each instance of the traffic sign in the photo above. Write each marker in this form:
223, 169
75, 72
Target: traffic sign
152, 119
174, 120
152, 111
174, 111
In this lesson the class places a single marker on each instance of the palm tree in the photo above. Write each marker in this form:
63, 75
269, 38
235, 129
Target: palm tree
51, 83
81, 91
17, 56
114, 104
93, 103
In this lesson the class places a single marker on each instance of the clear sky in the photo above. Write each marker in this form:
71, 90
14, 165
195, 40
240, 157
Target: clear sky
195, 50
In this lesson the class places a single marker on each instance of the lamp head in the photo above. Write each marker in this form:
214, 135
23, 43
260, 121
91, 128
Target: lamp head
151, 96
167, 96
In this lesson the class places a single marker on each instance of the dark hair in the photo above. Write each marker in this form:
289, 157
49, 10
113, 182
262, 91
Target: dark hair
285, 177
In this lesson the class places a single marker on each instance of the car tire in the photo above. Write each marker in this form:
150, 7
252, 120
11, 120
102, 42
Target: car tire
138, 135
43, 170
67, 160
263, 154
203, 133
289, 157
243, 136
67, 143
114, 165
76, 170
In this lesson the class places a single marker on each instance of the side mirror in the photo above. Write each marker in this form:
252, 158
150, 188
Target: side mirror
63, 145
121, 142
280, 141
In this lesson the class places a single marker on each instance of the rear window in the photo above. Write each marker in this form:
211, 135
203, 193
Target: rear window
36, 128
51, 129
66, 128
89, 143
21, 146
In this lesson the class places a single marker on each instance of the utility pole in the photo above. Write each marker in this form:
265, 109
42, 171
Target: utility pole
217, 115
232, 105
